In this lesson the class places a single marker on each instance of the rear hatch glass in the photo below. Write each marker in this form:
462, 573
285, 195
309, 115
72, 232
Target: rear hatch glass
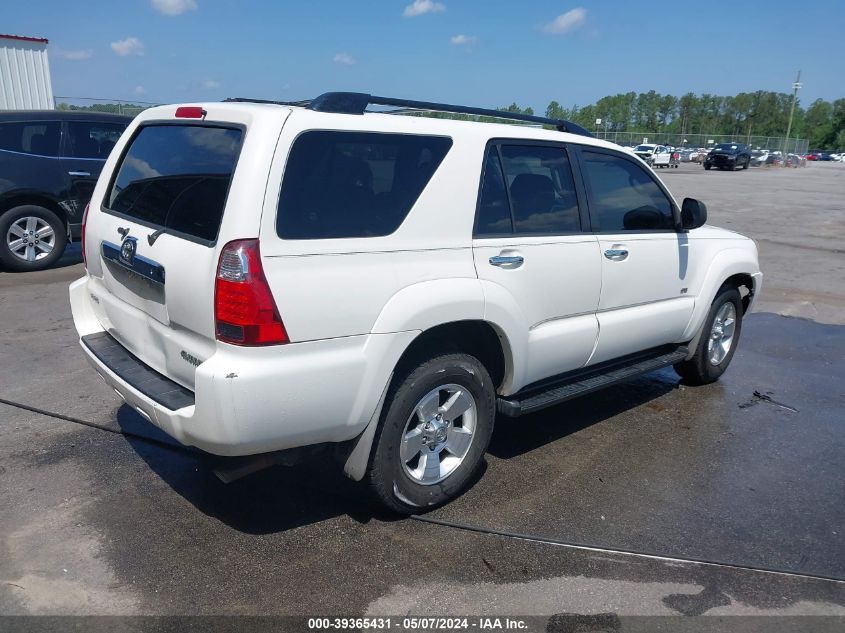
156, 235
176, 178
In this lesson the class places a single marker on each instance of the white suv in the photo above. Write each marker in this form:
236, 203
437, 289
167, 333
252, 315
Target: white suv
266, 276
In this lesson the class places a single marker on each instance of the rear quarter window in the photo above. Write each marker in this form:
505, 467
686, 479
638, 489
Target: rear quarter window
354, 184
177, 177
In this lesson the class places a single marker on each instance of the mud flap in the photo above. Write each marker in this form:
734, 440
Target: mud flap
355, 466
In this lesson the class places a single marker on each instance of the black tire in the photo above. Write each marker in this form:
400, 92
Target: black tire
391, 485
747, 163
707, 167
14, 262
699, 370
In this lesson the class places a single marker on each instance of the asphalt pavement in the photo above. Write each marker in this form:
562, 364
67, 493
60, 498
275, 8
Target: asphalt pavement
650, 498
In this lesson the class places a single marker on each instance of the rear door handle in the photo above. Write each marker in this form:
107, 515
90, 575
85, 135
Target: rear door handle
616, 254
79, 173
507, 261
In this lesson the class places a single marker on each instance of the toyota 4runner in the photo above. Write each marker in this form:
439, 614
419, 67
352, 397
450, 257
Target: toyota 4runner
266, 276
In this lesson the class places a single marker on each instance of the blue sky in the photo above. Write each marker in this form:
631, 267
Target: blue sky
486, 53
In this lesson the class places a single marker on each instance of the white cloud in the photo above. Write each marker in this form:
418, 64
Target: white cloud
174, 7
345, 59
210, 84
421, 7
139, 90
566, 22
142, 167
463, 40
129, 46
74, 55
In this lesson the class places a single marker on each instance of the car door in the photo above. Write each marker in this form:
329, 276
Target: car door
645, 261
536, 264
85, 147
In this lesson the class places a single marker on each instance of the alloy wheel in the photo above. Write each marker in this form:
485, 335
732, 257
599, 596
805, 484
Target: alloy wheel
30, 239
722, 333
438, 434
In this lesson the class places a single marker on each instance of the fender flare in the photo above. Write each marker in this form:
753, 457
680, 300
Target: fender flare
725, 264
442, 301
427, 304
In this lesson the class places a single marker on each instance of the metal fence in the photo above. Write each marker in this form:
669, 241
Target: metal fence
773, 143
114, 106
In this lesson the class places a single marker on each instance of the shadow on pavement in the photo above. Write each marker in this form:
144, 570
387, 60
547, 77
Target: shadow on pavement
284, 497
272, 500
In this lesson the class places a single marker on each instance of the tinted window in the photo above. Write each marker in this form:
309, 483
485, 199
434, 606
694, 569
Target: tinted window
623, 196
354, 184
494, 215
542, 192
30, 138
177, 177
92, 140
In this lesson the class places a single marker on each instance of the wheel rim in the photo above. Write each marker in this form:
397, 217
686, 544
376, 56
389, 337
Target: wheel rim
30, 239
438, 434
722, 333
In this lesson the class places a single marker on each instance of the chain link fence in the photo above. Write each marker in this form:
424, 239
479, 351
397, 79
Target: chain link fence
693, 141
697, 141
113, 106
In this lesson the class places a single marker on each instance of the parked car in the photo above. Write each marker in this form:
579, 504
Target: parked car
774, 158
666, 157
758, 157
263, 277
646, 151
728, 156
657, 155
49, 163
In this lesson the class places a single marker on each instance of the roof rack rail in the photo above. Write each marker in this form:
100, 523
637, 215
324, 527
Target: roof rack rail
302, 103
357, 103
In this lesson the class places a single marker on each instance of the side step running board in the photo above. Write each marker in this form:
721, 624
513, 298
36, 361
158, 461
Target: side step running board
584, 381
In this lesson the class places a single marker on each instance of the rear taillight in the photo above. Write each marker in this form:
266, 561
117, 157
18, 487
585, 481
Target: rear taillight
82, 234
244, 310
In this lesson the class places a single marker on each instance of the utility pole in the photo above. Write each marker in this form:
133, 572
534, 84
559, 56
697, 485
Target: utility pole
795, 88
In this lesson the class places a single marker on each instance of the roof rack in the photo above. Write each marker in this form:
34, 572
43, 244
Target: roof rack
302, 103
358, 102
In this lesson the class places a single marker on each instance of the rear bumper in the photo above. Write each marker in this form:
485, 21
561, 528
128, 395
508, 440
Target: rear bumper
253, 400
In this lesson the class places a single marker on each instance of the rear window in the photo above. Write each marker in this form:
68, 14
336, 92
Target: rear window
177, 177
354, 184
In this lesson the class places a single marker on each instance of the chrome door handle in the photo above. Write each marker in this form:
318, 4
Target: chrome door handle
616, 254
509, 261
79, 173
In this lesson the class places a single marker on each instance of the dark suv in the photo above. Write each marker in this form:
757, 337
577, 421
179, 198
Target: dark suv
728, 156
49, 164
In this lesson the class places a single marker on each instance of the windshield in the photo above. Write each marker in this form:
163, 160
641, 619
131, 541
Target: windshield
725, 147
644, 148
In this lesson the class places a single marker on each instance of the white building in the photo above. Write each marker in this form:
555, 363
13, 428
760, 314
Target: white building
24, 74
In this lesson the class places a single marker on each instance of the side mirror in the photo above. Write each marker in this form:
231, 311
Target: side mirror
693, 214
